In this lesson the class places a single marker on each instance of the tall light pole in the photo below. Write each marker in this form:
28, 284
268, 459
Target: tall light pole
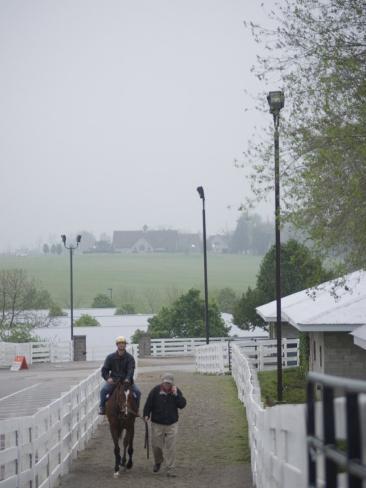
276, 101
202, 196
71, 249
110, 293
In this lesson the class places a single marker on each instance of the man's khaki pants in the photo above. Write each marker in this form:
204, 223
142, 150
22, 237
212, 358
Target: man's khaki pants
163, 438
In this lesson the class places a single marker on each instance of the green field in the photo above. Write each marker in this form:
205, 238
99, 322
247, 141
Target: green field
147, 280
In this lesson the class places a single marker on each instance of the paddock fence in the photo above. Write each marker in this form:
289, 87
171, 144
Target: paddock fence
36, 352
215, 358
36, 450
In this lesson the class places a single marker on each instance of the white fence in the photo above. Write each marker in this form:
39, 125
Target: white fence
36, 450
215, 358
36, 352
277, 435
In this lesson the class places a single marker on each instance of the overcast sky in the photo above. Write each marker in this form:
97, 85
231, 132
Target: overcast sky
112, 113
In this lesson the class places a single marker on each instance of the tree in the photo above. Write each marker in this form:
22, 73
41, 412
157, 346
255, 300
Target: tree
251, 235
185, 318
137, 336
18, 297
56, 311
86, 320
46, 248
126, 309
300, 269
318, 49
226, 299
102, 301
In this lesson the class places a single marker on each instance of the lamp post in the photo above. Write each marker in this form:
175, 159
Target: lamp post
276, 101
202, 196
110, 293
71, 249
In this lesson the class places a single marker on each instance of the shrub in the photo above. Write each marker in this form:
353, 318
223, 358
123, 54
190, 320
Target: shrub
86, 321
125, 309
102, 301
56, 311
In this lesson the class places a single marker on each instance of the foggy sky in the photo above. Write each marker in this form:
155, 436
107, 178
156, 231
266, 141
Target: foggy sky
113, 112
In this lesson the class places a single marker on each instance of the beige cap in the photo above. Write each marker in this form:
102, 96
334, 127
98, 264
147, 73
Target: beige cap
167, 378
121, 339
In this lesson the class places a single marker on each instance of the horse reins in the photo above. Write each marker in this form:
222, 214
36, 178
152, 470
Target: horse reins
146, 445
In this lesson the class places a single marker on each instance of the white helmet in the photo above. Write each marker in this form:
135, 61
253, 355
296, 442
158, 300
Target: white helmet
121, 339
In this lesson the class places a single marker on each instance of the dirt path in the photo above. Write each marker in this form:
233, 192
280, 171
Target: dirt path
211, 449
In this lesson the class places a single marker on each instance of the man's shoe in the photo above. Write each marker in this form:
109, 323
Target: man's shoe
156, 468
171, 474
101, 411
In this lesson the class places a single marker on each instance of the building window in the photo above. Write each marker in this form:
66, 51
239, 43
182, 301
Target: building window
314, 350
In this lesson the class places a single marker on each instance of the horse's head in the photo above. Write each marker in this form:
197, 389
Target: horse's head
125, 402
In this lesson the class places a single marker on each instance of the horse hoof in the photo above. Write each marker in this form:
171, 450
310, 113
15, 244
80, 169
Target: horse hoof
116, 474
129, 464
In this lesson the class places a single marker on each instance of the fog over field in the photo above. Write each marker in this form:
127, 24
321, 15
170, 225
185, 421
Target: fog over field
112, 113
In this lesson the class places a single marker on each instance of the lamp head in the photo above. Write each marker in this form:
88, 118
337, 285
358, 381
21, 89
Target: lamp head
201, 192
276, 101
78, 239
63, 237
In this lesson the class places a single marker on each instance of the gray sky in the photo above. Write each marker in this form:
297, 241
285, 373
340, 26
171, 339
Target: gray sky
114, 111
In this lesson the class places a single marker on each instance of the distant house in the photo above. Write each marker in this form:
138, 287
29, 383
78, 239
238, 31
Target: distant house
155, 241
219, 243
334, 317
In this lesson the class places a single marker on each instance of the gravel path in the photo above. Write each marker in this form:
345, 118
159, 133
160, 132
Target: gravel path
210, 451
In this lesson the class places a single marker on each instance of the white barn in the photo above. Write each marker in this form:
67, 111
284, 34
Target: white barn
333, 314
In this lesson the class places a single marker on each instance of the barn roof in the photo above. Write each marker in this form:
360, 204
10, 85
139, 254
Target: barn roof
337, 305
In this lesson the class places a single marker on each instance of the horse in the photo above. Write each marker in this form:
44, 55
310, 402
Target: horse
121, 411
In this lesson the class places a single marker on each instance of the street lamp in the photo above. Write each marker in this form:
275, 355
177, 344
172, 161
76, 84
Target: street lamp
71, 249
202, 196
276, 101
110, 293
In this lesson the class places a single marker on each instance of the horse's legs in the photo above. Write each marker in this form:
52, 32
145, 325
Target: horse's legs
131, 434
115, 431
123, 462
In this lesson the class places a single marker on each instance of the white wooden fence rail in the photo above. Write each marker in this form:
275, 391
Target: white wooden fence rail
36, 352
276, 435
214, 358
36, 450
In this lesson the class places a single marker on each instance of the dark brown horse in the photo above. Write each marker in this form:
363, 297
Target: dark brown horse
121, 411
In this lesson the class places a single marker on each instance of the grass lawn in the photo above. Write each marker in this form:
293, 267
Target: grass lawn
294, 386
150, 278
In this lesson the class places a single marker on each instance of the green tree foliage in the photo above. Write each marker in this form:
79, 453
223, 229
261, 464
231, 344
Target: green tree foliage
185, 318
251, 235
125, 309
226, 299
137, 336
46, 248
56, 311
18, 293
102, 301
86, 320
19, 333
318, 49
300, 269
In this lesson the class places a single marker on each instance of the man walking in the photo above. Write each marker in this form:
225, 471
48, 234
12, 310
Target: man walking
118, 366
162, 406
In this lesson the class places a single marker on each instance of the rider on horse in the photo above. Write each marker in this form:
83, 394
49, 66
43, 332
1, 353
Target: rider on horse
118, 366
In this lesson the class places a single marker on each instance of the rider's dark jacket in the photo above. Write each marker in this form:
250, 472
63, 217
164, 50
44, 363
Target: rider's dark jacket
163, 407
119, 367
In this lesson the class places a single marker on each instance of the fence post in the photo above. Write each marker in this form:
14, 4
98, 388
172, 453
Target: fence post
229, 353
